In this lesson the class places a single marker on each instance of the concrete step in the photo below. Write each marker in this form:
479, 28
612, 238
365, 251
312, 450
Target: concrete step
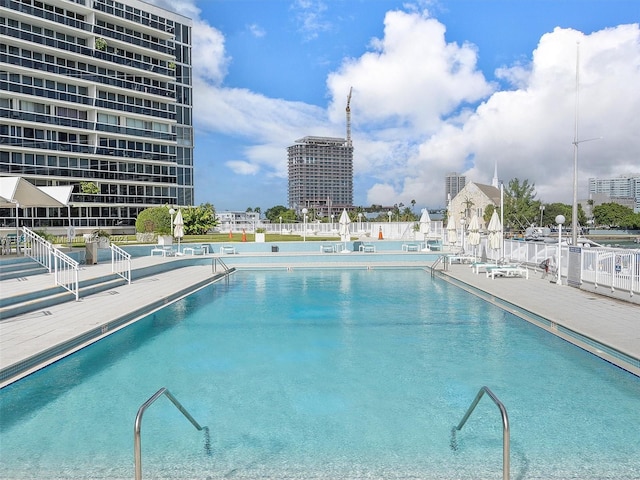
43, 299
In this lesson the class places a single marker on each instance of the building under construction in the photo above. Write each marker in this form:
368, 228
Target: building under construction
321, 173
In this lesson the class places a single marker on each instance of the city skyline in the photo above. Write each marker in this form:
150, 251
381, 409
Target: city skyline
438, 87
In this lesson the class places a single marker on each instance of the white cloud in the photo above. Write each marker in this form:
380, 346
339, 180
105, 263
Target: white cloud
421, 109
310, 17
242, 168
256, 30
408, 94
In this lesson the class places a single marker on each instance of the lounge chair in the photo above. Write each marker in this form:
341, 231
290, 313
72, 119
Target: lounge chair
367, 248
507, 271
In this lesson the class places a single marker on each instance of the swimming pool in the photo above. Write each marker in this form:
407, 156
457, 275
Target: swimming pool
325, 374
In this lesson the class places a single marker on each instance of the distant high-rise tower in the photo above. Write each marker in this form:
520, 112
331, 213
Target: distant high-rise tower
320, 174
453, 184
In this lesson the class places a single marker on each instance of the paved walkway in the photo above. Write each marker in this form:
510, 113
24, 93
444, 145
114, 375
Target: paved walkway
25, 336
601, 319
607, 321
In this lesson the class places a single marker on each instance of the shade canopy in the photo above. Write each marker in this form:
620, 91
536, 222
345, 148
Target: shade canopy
17, 190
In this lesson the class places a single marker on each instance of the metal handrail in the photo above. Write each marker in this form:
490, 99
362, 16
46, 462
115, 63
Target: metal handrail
214, 264
65, 272
505, 427
439, 260
39, 248
120, 262
137, 449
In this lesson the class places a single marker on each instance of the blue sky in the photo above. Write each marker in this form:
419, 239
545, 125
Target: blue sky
439, 86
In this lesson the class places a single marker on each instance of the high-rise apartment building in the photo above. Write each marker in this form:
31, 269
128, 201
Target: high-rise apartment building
320, 174
453, 184
622, 187
96, 94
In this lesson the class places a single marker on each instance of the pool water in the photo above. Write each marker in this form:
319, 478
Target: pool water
345, 374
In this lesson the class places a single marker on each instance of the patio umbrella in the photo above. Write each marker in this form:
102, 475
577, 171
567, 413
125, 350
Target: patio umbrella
178, 227
473, 238
495, 232
425, 223
344, 222
452, 233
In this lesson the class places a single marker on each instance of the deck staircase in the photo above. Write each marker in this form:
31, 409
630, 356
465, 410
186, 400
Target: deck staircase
23, 268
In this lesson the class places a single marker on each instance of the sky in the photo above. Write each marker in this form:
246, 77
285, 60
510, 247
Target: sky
439, 86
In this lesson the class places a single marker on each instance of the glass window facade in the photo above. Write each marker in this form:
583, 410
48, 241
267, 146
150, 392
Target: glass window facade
96, 91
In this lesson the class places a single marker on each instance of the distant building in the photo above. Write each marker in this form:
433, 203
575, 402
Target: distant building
473, 199
624, 190
97, 95
236, 221
320, 174
452, 186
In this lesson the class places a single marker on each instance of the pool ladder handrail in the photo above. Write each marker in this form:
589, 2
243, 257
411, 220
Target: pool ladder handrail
137, 450
214, 264
441, 259
505, 426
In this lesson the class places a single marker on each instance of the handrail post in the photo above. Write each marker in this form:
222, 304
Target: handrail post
137, 442
505, 426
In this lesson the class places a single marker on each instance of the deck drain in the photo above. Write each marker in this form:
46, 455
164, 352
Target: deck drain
23, 279
46, 313
113, 292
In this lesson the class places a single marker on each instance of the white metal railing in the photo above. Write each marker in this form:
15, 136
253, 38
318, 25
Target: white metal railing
65, 271
36, 248
614, 268
120, 262
617, 270
390, 230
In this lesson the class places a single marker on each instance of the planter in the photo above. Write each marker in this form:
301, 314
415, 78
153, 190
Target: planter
103, 242
260, 237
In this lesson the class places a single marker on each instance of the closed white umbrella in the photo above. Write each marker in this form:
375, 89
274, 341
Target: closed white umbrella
344, 223
425, 223
495, 232
178, 227
452, 233
473, 238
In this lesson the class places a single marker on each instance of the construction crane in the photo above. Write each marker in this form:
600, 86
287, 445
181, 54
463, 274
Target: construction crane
349, 117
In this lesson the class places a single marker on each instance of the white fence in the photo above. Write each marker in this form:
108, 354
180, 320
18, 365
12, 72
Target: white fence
609, 271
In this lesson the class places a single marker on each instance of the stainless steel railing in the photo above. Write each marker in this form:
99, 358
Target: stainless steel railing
505, 428
137, 447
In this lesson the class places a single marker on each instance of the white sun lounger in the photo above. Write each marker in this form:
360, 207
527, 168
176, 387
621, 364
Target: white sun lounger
507, 271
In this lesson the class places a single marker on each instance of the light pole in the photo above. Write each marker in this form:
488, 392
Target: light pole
559, 220
304, 224
332, 217
172, 213
280, 225
360, 221
541, 212
390, 213
462, 232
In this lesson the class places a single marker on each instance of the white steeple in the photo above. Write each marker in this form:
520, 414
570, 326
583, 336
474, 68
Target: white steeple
495, 182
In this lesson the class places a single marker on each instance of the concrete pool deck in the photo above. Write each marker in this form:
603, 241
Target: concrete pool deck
584, 318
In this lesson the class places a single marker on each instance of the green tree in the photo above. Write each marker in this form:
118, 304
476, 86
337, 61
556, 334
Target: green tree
520, 206
273, 214
611, 214
199, 220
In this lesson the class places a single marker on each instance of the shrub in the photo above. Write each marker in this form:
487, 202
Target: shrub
154, 220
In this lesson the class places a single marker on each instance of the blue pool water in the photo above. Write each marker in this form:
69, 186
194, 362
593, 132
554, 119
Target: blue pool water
325, 374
